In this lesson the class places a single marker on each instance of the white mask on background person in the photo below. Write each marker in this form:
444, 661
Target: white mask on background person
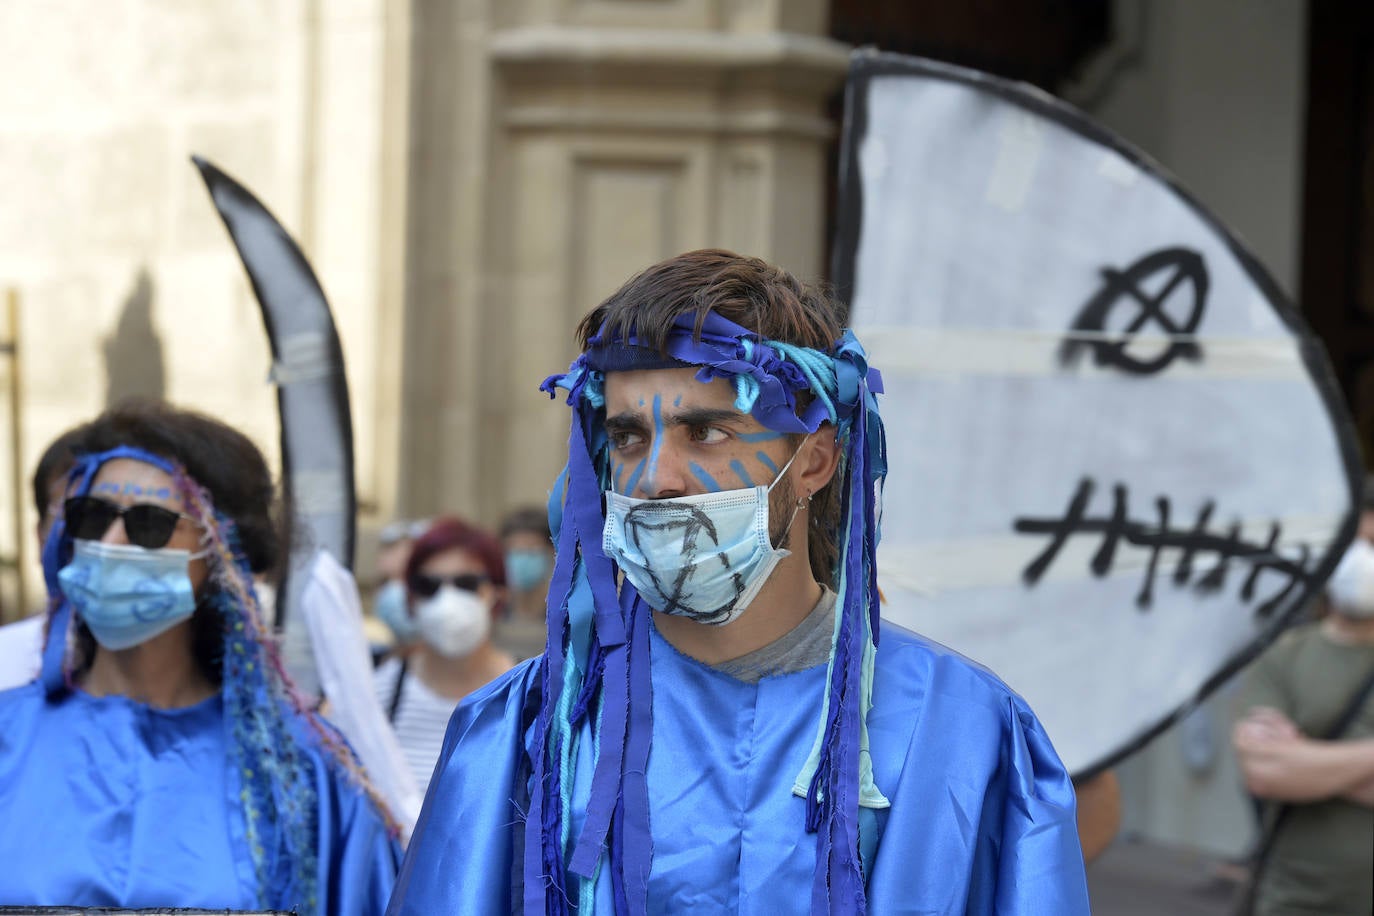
1351, 586
453, 621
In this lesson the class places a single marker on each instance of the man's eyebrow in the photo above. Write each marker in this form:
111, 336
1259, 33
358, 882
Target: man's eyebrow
626, 422
702, 416
634, 421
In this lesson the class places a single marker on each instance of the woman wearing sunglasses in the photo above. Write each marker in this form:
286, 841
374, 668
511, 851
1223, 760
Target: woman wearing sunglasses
455, 581
162, 758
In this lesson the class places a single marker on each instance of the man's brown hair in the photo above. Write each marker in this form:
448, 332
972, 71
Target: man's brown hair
753, 294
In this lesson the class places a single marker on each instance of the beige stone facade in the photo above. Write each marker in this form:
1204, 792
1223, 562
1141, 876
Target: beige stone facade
467, 176
588, 140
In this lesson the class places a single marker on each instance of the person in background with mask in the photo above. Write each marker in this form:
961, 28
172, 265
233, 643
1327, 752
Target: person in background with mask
713, 727
162, 759
1321, 854
390, 602
529, 564
455, 578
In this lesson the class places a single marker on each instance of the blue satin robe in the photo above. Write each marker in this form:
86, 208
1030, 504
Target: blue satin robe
106, 801
981, 820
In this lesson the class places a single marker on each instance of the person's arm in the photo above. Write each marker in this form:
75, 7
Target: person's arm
1099, 813
1279, 763
1362, 794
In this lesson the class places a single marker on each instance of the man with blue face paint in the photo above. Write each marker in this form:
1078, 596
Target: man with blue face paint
713, 726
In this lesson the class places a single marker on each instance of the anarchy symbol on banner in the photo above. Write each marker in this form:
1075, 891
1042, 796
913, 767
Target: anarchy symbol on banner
1109, 348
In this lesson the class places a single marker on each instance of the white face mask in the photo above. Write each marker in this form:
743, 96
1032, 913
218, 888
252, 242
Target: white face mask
453, 621
701, 557
1351, 586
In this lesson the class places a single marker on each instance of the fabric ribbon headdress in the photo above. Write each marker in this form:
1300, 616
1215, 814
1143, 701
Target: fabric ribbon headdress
597, 659
276, 785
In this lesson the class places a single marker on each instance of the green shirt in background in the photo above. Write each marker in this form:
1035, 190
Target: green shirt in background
1323, 858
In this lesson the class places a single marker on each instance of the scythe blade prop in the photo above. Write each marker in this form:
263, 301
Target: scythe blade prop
312, 399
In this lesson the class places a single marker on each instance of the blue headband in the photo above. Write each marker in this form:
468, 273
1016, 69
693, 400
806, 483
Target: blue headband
597, 654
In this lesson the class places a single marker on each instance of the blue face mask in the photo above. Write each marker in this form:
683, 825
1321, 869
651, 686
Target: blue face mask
390, 608
526, 568
125, 594
702, 557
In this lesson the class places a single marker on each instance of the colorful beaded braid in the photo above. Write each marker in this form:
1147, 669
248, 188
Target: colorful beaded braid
259, 696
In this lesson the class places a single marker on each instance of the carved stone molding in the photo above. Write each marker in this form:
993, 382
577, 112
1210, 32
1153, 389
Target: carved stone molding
801, 64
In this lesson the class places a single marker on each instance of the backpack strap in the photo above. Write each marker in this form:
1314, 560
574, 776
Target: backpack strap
395, 703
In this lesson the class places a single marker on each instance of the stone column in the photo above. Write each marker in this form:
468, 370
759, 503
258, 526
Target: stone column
563, 145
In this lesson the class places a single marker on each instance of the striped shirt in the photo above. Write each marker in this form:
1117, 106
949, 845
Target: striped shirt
420, 721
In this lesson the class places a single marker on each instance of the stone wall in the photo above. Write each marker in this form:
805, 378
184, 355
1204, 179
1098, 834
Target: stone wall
467, 176
586, 140
126, 280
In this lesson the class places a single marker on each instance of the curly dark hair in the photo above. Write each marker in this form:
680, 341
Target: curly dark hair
57, 459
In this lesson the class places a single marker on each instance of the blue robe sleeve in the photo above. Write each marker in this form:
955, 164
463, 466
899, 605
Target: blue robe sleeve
982, 819
1039, 860
358, 857
459, 858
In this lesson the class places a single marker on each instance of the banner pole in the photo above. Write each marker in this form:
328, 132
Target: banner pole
16, 447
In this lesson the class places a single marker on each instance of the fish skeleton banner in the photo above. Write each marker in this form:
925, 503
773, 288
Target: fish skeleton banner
1119, 460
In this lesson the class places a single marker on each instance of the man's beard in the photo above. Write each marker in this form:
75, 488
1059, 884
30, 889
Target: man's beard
782, 509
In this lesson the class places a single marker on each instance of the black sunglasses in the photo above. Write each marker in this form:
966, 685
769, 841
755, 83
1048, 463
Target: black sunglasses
427, 586
145, 524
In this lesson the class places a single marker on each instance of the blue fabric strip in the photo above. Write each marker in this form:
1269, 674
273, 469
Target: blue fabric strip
622, 905
536, 833
610, 636
607, 774
637, 855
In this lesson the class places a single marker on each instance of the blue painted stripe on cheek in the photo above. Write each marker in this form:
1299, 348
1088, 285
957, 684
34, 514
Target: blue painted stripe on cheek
617, 471
706, 479
766, 436
634, 479
767, 462
658, 442
738, 467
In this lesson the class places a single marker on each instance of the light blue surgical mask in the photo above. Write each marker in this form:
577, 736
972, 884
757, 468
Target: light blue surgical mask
703, 557
526, 568
126, 594
390, 608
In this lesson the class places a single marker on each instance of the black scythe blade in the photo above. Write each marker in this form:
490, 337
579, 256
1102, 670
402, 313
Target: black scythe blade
312, 391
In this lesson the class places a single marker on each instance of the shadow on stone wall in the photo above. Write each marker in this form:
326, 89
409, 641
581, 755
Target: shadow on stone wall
133, 351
